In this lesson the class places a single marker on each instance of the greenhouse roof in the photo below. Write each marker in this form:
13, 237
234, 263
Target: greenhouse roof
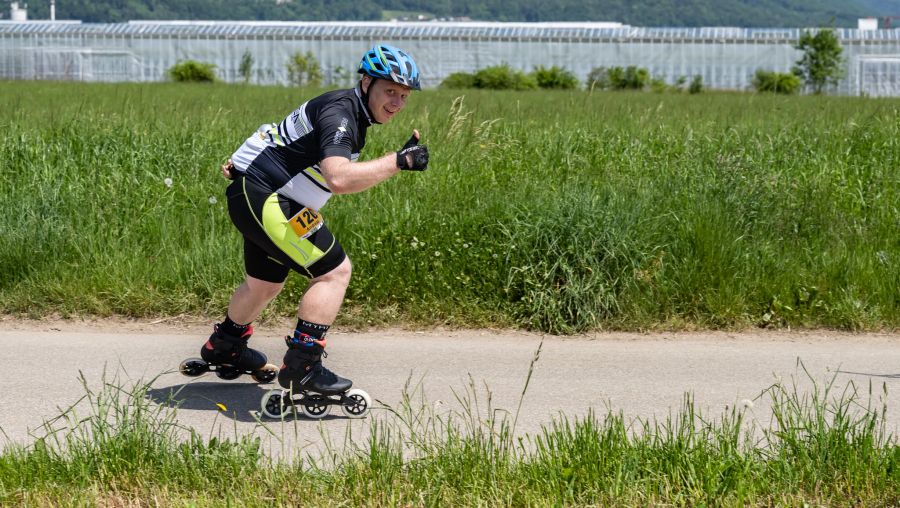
425, 30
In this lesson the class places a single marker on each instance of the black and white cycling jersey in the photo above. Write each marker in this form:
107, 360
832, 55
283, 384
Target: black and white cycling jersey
285, 157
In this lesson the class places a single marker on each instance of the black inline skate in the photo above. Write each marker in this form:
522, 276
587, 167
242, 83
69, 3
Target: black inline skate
229, 357
310, 386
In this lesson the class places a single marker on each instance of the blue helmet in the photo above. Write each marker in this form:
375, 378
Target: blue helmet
392, 64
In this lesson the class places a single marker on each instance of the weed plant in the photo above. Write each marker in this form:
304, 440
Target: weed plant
556, 211
827, 446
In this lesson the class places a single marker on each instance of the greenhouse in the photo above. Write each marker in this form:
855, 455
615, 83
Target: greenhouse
725, 58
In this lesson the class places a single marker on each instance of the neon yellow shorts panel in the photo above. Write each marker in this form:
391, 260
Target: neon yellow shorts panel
279, 230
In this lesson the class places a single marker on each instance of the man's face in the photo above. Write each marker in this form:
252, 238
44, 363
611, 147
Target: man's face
386, 98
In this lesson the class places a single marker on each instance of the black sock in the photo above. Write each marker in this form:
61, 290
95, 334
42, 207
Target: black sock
229, 327
314, 330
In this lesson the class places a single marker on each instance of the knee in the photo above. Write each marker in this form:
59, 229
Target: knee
342, 273
264, 289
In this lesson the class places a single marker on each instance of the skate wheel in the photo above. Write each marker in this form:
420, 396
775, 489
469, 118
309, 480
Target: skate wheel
193, 367
273, 404
356, 403
314, 406
228, 372
265, 374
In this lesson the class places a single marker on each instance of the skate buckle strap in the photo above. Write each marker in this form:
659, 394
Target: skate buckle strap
227, 346
300, 339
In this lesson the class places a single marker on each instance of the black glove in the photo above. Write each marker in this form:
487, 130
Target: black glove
419, 156
413, 141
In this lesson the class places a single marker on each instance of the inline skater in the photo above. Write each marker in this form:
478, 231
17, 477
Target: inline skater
282, 176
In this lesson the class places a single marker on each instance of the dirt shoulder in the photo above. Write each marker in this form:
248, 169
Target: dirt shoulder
192, 325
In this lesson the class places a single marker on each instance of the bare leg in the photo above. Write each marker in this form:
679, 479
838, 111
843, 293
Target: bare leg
251, 297
302, 368
228, 346
322, 299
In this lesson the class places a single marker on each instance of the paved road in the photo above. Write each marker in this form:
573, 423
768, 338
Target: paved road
640, 375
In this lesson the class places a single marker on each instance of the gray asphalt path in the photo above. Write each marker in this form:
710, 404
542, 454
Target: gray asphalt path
640, 375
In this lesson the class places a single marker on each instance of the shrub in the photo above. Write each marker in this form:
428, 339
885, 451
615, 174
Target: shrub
459, 80
659, 85
341, 76
555, 78
629, 78
776, 82
696, 85
246, 66
619, 78
192, 71
504, 77
304, 69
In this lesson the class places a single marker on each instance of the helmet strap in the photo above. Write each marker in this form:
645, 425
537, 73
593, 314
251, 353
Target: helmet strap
365, 98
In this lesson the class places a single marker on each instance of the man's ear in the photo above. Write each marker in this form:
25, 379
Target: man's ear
366, 82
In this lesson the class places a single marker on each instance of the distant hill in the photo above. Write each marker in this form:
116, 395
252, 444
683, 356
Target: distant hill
882, 7
741, 13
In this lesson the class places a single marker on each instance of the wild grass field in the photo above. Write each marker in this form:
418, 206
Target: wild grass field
561, 212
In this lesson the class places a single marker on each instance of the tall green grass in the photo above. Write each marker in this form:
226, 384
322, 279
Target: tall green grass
825, 446
557, 211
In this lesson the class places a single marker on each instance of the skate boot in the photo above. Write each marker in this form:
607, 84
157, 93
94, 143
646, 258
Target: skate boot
310, 386
303, 369
229, 357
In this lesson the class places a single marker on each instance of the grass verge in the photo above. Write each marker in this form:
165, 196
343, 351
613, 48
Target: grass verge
825, 446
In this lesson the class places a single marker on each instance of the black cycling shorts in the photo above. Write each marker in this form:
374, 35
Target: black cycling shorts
279, 234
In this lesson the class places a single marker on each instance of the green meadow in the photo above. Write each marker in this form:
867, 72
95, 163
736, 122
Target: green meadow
553, 211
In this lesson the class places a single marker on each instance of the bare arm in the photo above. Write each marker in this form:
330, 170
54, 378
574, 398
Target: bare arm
346, 177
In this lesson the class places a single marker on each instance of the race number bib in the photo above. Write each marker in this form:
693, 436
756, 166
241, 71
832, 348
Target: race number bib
306, 222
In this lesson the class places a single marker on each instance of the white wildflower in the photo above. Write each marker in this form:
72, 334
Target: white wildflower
213, 200
168, 182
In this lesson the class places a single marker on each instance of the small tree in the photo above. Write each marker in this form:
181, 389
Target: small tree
304, 69
821, 64
246, 67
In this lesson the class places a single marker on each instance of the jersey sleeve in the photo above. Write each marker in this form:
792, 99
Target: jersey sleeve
336, 132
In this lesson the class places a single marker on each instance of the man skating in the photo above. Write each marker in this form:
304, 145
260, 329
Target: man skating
282, 177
